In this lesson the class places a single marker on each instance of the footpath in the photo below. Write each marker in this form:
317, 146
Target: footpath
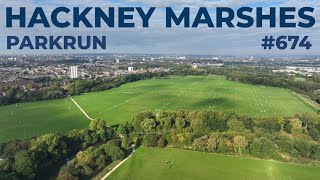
91, 119
120, 135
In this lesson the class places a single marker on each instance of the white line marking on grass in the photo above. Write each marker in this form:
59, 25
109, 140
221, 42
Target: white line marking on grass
267, 102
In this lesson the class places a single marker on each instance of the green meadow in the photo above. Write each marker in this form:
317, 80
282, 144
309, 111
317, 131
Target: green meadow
118, 105
161, 164
26, 120
213, 93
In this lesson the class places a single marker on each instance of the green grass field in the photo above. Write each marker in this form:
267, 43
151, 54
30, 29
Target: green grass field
150, 164
192, 93
118, 105
27, 120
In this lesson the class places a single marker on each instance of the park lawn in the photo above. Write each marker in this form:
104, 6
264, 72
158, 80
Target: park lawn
213, 93
118, 105
26, 120
150, 164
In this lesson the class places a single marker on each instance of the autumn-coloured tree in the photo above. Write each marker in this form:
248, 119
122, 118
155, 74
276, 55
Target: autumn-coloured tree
239, 143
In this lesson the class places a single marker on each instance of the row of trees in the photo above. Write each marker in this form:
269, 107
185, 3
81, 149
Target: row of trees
287, 139
46, 88
207, 121
280, 147
84, 153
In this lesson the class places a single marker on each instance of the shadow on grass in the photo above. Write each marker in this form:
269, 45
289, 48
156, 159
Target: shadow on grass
214, 102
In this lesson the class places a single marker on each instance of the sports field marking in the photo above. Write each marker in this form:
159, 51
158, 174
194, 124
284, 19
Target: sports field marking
214, 93
24, 120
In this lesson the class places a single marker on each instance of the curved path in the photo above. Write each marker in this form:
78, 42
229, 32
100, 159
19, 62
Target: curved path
120, 135
91, 119
116, 167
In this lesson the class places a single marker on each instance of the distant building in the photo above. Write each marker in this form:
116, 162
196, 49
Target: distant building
73, 72
117, 61
181, 58
130, 69
195, 66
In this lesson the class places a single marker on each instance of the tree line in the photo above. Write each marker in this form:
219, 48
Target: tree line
84, 153
294, 139
47, 89
31, 90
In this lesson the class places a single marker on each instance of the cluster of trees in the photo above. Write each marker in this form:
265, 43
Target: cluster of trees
24, 159
46, 88
152, 140
91, 161
27, 159
287, 139
32, 90
82, 154
281, 146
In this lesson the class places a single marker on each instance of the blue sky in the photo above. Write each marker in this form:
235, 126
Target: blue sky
160, 40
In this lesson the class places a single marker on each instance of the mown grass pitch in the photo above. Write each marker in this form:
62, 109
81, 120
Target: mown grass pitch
159, 164
118, 105
26, 120
191, 93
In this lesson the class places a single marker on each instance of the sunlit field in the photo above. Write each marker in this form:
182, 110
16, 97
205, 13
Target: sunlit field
159, 164
118, 105
191, 93
26, 120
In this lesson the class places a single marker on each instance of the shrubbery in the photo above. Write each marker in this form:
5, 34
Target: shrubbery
25, 159
89, 162
286, 139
